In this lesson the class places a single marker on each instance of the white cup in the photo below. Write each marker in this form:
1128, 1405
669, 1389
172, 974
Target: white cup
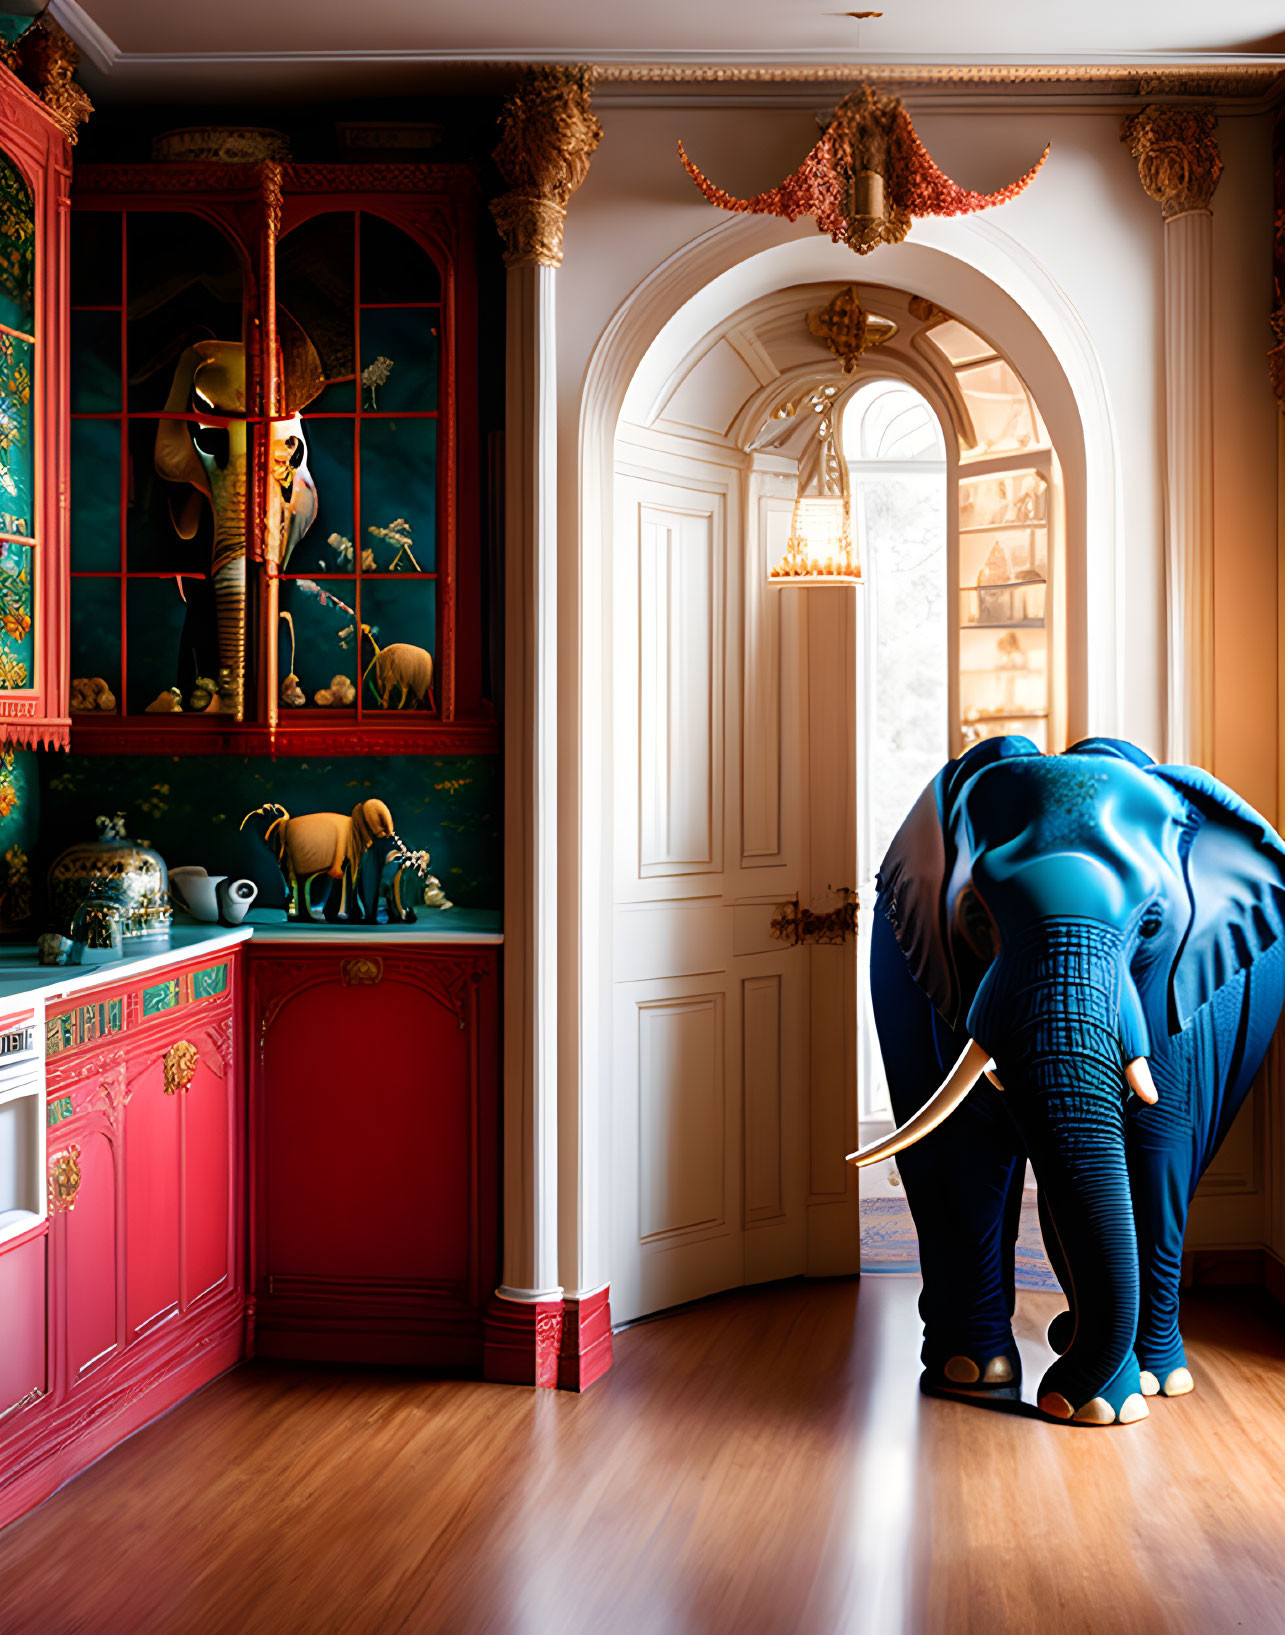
198, 892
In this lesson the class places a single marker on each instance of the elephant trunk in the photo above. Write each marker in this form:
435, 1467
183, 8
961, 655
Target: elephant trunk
228, 574
1049, 1009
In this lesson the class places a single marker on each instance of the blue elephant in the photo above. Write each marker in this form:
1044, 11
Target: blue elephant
1086, 952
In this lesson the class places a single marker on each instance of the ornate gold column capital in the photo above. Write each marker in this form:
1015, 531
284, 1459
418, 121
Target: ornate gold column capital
45, 59
548, 133
1178, 159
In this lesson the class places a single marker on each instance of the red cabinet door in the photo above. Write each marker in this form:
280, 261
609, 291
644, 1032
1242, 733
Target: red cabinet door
87, 1227
23, 1367
373, 1123
367, 1126
206, 1107
152, 1172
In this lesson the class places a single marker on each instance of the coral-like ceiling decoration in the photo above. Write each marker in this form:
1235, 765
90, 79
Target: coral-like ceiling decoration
866, 179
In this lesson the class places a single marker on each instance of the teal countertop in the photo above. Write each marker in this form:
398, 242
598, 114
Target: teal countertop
468, 925
23, 978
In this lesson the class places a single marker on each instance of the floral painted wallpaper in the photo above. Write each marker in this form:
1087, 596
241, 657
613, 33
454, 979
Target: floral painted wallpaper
190, 808
17, 489
19, 831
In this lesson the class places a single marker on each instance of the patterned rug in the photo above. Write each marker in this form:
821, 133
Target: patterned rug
889, 1244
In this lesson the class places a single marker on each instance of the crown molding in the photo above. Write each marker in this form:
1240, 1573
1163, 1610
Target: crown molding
1225, 76
94, 41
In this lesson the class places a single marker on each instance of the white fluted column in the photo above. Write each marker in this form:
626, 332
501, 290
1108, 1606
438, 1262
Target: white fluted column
548, 135
1179, 165
530, 794
1189, 484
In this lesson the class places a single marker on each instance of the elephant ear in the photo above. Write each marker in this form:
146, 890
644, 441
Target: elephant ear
920, 864
176, 458
302, 376
1233, 863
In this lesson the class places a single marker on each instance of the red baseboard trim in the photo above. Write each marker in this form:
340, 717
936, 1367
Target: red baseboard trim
520, 1340
563, 1343
585, 1353
62, 1460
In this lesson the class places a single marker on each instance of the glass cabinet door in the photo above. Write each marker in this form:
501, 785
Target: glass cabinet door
359, 592
159, 442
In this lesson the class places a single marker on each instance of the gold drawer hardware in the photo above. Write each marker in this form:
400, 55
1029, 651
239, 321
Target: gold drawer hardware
64, 1181
180, 1067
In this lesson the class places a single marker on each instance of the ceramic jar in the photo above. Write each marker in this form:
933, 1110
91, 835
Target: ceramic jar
119, 869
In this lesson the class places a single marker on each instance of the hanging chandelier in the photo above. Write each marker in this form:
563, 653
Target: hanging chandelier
865, 180
820, 549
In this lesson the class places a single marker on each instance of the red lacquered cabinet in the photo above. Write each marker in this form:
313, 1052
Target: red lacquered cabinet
134, 1298
374, 1129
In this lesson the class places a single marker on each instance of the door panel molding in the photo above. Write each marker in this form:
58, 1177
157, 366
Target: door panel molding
682, 1093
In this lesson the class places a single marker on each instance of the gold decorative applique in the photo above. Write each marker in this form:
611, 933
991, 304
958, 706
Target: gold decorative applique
64, 1181
848, 329
361, 973
180, 1066
794, 925
548, 133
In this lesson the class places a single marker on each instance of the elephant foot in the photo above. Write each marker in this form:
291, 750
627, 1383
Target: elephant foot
964, 1371
1061, 1331
976, 1374
1118, 1402
1177, 1383
1097, 1412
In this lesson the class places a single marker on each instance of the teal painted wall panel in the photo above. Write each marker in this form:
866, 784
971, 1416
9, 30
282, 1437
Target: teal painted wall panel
187, 807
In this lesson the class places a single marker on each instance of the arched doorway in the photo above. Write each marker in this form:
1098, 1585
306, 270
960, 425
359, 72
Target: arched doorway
680, 371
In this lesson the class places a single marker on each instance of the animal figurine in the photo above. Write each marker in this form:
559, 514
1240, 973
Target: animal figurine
340, 692
1103, 941
403, 665
91, 693
326, 843
385, 898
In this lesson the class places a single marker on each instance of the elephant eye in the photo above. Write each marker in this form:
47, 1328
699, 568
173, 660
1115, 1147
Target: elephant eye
975, 925
213, 442
1151, 922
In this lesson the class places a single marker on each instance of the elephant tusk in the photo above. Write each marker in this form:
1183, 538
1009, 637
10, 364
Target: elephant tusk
963, 1076
993, 1076
1138, 1077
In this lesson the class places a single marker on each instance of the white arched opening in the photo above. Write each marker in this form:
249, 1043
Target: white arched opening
895, 451
972, 269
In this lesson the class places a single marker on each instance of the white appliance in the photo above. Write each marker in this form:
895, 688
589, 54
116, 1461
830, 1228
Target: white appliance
23, 1194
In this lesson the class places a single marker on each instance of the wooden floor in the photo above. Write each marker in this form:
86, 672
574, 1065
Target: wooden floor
759, 1463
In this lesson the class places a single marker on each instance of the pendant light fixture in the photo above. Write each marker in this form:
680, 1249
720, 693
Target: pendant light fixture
821, 549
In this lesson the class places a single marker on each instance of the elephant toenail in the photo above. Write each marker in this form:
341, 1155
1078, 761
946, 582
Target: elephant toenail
962, 1371
1098, 1412
998, 1371
1133, 1409
1178, 1383
1150, 1384
1056, 1406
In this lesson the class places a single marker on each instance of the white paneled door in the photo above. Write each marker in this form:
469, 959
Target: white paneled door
732, 1049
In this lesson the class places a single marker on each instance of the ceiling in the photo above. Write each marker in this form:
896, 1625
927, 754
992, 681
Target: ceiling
164, 47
